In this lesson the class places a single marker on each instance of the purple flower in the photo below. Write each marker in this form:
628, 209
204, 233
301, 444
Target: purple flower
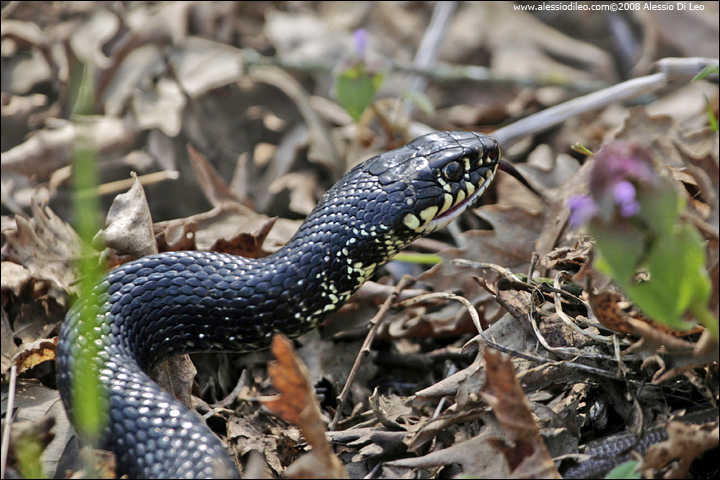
624, 195
618, 161
582, 208
620, 170
361, 41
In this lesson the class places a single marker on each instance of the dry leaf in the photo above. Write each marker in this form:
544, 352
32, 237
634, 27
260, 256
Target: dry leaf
615, 312
35, 403
246, 244
685, 442
213, 186
45, 245
176, 376
176, 236
50, 149
526, 454
475, 456
296, 404
128, 226
389, 410
34, 354
230, 219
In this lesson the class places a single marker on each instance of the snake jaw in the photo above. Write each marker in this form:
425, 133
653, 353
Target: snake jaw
434, 218
444, 218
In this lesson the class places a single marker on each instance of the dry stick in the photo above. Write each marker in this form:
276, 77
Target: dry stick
8, 419
679, 69
429, 49
552, 116
405, 281
225, 402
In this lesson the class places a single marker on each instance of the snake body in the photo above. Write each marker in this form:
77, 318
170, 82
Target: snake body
184, 302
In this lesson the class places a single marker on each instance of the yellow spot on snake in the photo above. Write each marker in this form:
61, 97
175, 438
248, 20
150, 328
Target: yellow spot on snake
429, 213
411, 221
448, 202
470, 188
460, 197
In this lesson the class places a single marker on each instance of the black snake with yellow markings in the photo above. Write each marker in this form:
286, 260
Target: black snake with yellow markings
183, 302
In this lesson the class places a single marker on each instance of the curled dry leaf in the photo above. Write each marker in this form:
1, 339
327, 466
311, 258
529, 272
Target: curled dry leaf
526, 455
229, 219
129, 231
615, 312
296, 404
35, 354
477, 459
47, 150
128, 226
246, 244
685, 442
216, 190
176, 376
568, 258
678, 355
45, 245
389, 410
176, 236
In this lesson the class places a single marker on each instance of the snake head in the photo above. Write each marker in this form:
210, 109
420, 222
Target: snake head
433, 179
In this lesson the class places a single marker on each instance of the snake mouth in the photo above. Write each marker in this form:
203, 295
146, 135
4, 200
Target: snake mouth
452, 213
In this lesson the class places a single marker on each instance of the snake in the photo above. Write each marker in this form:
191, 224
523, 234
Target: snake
173, 303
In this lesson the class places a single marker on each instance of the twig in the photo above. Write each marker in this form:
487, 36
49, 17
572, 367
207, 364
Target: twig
556, 115
8, 419
595, 371
669, 69
405, 281
429, 49
569, 322
447, 296
147, 179
230, 398
439, 72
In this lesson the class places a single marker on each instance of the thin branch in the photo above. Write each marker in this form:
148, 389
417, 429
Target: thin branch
375, 323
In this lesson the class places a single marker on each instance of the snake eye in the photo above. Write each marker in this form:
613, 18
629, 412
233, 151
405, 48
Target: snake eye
452, 172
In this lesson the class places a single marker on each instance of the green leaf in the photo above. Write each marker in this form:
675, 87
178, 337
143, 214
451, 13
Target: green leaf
672, 254
90, 403
711, 115
709, 68
675, 263
355, 89
668, 292
418, 258
582, 149
625, 470
660, 206
621, 245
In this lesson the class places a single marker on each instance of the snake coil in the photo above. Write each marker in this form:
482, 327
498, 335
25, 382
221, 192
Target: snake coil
184, 302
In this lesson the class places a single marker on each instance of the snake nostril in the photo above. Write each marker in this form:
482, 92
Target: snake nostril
493, 154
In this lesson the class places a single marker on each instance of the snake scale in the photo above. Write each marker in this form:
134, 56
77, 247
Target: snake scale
183, 302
